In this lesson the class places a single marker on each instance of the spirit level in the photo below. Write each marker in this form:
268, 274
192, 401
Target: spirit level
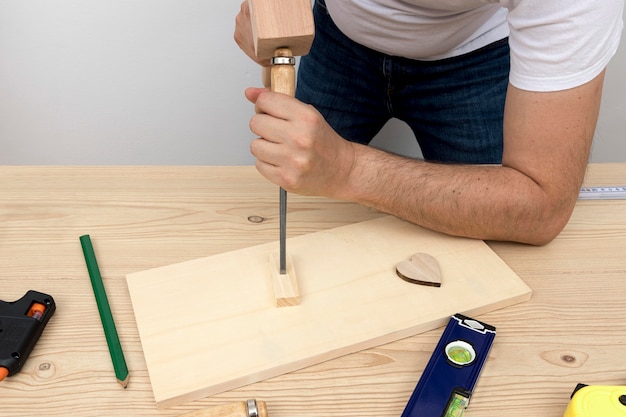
447, 383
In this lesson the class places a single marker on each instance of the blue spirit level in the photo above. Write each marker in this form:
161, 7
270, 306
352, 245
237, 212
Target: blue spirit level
447, 383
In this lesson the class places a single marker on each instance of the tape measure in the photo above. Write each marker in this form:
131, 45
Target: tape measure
597, 401
602, 193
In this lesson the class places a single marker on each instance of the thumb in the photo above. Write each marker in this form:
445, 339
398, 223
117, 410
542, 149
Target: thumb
252, 93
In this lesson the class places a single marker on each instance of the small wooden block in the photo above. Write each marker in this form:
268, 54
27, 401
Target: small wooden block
286, 290
421, 269
281, 23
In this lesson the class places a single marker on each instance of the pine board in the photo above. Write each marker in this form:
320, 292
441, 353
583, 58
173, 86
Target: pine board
210, 325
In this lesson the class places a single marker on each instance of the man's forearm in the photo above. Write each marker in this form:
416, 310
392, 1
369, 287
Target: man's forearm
478, 201
547, 137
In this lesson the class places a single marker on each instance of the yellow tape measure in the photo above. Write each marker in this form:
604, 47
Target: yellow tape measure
597, 401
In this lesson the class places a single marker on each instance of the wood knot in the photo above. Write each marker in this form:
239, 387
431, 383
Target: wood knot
46, 370
256, 219
569, 359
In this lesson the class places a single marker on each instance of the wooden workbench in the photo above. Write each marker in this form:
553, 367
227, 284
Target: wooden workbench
572, 330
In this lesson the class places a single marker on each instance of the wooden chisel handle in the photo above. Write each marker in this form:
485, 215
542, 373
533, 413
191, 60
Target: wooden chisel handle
238, 409
281, 77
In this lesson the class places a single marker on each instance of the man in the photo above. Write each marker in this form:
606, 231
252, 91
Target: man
505, 147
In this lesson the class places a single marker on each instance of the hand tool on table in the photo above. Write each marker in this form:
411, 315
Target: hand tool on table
597, 401
447, 383
104, 309
282, 29
250, 408
21, 325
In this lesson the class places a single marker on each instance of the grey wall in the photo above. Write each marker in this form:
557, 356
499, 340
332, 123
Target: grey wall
122, 82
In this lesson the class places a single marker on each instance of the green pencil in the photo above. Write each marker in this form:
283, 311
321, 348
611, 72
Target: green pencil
110, 332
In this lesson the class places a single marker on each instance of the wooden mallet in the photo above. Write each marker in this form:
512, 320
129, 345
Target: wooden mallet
282, 29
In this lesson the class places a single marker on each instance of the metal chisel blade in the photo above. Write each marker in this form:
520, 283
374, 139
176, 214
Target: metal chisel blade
283, 230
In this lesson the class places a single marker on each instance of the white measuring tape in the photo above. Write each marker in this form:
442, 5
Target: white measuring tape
602, 193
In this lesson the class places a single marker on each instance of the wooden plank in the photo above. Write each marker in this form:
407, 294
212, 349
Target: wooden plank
281, 23
209, 325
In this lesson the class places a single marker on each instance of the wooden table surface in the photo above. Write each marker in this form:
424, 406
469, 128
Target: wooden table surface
572, 330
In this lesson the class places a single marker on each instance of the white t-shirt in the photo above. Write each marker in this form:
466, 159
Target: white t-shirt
555, 44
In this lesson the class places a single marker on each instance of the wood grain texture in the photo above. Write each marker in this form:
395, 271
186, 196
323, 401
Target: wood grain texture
145, 217
218, 312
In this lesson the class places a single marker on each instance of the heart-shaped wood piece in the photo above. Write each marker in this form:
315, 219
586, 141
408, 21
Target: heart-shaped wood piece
421, 269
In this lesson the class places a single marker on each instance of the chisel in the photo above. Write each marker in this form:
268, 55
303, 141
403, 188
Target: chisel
250, 408
281, 30
283, 80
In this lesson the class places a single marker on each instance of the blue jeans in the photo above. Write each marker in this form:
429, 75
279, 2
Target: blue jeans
454, 106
